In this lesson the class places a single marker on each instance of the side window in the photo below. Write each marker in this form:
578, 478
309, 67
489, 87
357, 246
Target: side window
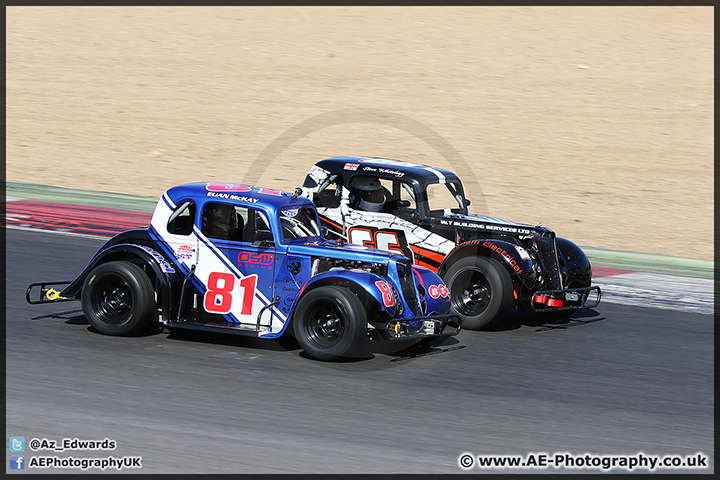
444, 196
235, 223
181, 220
407, 197
223, 221
329, 196
370, 194
387, 186
257, 228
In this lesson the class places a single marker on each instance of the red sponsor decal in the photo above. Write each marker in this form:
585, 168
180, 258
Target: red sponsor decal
227, 187
269, 191
505, 254
236, 187
256, 258
437, 291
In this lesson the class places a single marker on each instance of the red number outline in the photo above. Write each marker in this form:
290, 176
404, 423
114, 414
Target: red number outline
387, 295
225, 293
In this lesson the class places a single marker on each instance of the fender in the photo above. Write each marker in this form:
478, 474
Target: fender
516, 259
359, 281
574, 264
118, 251
433, 290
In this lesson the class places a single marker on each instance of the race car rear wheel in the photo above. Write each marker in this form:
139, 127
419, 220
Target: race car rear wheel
328, 322
118, 298
480, 291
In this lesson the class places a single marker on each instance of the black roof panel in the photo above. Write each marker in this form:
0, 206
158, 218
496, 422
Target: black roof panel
388, 168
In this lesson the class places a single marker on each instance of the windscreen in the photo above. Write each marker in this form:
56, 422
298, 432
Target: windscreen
299, 223
442, 196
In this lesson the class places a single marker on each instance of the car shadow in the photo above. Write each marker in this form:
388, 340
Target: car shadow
397, 351
547, 321
285, 343
436, 347
406, 348
71, 317
77, 317
367, 350
228, 339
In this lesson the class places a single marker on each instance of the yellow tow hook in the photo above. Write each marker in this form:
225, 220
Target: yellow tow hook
394, 328
53, 294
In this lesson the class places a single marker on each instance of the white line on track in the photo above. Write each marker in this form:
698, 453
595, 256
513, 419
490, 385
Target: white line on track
654, 290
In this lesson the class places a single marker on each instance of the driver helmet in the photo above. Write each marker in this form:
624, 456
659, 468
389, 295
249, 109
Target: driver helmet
367, 193
221, 221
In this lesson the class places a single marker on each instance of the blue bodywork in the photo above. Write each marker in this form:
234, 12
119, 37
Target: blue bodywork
253, 287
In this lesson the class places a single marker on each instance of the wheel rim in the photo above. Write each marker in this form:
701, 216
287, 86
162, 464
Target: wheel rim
111, 300
323, 325
470, 292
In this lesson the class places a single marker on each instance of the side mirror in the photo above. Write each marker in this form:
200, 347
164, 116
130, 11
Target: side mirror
403, 203
467, 202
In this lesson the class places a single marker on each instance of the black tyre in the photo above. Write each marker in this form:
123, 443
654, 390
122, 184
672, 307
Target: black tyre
118, 298
481, 292
328, 322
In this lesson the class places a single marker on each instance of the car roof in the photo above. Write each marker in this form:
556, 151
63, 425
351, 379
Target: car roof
386, 168
236, 194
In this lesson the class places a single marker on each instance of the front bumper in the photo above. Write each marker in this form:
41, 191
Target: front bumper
566, 299
423, 327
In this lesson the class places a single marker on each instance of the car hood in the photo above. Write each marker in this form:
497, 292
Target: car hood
347, 251
482, 223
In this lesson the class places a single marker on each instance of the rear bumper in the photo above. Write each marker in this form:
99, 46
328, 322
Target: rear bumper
45, 292
423, 327
566, 299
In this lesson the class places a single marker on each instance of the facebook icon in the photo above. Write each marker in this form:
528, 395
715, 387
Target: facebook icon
17, 462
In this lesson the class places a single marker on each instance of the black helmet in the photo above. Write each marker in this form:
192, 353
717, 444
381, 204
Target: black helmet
220, 220
368, 193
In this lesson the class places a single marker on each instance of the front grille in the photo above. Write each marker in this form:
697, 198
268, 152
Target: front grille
548, 256
407, 284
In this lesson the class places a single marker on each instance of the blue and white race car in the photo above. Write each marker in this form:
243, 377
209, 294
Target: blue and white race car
232, 258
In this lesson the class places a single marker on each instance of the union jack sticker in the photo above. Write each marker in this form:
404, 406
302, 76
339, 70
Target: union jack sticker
350, 166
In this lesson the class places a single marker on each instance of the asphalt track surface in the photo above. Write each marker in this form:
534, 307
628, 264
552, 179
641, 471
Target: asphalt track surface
617, 380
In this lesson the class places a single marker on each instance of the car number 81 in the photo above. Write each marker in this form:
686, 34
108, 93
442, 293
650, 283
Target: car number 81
219, 295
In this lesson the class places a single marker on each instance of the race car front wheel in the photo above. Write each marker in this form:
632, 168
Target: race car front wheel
328, 322
480, 291
118, 298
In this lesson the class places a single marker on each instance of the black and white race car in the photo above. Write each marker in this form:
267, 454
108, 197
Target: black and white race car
488, 264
